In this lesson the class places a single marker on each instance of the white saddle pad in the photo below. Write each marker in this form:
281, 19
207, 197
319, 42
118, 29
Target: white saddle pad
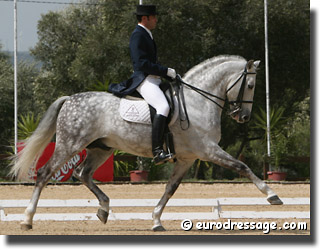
137, 110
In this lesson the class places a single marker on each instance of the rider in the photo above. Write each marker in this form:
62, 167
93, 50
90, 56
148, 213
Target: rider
146, 77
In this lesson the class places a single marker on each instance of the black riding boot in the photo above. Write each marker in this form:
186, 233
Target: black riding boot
158, 127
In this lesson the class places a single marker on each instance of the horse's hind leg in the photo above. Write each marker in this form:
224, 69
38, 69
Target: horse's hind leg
95, 157
179, 171
43, 176
222, 158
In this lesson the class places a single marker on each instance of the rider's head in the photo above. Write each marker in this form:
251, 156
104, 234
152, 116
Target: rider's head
147, 16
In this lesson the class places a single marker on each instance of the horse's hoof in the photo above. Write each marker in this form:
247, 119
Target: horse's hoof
103, 216
275, 200
26, 227
158, 229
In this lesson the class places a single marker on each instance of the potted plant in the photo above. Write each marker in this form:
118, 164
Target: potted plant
142, 171
278, 139
278, 156
123, 164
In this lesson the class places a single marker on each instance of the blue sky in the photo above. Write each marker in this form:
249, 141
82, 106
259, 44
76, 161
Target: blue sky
28, 17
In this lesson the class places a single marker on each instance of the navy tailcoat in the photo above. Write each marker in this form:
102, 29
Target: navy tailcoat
143, 53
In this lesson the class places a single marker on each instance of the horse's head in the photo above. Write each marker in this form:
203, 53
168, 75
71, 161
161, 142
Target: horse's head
240, 93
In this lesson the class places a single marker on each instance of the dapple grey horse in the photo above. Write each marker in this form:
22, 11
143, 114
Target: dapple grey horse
91, 120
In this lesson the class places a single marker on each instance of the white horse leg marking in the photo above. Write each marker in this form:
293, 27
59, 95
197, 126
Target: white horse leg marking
84, 172
179, 171
31, 209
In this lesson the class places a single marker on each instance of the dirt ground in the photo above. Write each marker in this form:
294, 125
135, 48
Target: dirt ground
151, 191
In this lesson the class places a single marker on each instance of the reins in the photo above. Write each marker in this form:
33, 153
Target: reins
205, 94
237, 103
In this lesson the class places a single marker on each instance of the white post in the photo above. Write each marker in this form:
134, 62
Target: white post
140, 2
15, 79
267, 76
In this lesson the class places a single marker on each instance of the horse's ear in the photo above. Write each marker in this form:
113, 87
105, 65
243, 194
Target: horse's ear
250, 64
256, 64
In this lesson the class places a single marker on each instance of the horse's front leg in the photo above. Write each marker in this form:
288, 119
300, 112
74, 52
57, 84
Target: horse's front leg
222, 158
180, 168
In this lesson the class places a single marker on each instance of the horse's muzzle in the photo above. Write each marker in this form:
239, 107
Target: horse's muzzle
241, 116
234, 112
245, 118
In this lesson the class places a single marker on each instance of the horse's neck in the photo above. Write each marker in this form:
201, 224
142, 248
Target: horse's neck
213, 80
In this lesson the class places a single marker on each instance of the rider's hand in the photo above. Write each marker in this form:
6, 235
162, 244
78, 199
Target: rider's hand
171, 73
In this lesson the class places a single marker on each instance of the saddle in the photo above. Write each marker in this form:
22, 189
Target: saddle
135, 109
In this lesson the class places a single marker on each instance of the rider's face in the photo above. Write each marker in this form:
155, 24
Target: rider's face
151, 22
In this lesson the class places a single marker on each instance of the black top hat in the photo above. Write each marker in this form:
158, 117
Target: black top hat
146, 10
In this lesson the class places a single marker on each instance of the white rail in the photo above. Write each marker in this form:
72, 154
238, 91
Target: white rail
216, 205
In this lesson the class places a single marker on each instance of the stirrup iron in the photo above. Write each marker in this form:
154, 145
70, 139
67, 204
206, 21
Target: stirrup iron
162, 157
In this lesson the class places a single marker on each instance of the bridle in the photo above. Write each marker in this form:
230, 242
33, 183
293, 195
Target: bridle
237, 104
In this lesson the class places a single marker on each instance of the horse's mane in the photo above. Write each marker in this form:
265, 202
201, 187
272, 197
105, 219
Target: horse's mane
209, 64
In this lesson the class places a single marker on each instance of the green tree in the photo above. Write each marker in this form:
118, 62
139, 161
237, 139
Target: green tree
6, 101
81, 46
26, 75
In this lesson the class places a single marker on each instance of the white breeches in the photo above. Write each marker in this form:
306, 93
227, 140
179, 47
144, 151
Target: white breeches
150, 91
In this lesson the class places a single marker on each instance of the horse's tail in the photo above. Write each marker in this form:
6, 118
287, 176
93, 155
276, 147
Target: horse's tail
36, 144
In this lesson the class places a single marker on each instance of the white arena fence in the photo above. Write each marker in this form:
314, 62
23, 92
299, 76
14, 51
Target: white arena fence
216, 205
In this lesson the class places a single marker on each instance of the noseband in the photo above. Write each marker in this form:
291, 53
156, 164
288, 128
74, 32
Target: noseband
237, 104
